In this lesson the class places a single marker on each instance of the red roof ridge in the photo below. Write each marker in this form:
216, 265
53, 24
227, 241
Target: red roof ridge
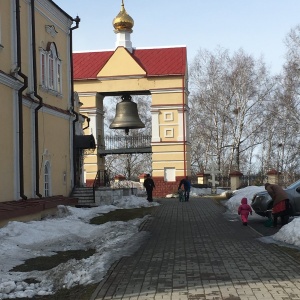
166, 61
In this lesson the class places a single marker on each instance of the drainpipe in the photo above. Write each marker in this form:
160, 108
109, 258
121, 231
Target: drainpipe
183, 121
88, 122
76, 20
40, 105
20, 102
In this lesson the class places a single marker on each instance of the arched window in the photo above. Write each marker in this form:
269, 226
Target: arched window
50, 69
47, 180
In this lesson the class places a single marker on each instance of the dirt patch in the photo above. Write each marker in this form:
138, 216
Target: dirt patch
122, 215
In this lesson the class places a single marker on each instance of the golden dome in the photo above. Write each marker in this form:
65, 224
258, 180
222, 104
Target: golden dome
123, 21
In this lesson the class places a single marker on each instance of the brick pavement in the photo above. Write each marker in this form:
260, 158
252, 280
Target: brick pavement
193, 253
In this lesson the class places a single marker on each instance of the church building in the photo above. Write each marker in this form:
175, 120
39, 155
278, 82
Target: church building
39, 110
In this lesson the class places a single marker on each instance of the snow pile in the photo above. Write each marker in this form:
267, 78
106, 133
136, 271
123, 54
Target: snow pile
248, 192
70, 230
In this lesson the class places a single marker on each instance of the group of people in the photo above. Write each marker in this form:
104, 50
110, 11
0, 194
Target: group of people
281, 206
280, 209
149, 185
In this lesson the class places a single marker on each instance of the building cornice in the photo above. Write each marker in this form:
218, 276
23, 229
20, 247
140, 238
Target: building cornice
87, 94
166, 91
91, 111
56, 13
107, 78
10, 81
51, 110
157, 108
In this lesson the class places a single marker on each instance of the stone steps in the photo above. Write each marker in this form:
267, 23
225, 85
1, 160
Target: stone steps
84, 195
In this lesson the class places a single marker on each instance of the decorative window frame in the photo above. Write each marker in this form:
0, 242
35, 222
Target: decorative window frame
47, 179
168, 132
168, 116
50, 70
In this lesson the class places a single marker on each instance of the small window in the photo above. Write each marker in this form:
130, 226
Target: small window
47, 180
51, 69
43, 68
59, 77
169, 174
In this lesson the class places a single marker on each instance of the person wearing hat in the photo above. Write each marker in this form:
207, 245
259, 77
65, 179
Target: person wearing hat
280, 203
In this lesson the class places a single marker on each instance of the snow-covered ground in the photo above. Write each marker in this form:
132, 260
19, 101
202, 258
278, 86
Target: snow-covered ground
70, 230
289, 234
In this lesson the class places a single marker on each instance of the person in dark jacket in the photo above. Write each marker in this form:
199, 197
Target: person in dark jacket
280, 203
149, 185
187, 187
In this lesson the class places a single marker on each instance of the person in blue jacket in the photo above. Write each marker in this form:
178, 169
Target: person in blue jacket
185, 182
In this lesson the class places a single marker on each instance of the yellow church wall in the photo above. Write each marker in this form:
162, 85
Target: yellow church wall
88, 159
172, 156
54, 127
61, 41
91, 169
126, 84
122, 62
171, 99
167, 148
5, 39
88, 101
24, 19
55, 131
27, 148
7, 148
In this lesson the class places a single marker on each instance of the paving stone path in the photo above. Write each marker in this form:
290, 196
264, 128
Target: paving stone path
194, 252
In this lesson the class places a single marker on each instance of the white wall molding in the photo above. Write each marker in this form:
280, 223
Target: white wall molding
10, 81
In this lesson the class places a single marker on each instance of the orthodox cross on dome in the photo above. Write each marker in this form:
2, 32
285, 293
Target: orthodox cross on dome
213, 172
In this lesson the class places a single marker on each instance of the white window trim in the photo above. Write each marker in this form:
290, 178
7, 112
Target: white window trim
47, 179
169, 132
49, 84
168, 116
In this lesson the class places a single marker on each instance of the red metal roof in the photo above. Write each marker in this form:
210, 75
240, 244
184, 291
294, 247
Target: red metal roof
156, 62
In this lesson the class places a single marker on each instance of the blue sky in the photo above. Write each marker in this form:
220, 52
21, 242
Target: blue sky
257, 26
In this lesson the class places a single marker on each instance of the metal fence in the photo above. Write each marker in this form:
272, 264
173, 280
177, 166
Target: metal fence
111, 142
284, 179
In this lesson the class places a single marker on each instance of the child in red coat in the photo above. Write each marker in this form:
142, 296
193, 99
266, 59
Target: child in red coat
244, 211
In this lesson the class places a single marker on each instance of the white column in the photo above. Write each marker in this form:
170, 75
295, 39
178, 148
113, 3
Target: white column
181, 126
155, 126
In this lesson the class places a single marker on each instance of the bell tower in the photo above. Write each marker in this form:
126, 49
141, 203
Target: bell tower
125, 71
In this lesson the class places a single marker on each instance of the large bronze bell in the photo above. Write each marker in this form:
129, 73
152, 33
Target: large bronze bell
127, 116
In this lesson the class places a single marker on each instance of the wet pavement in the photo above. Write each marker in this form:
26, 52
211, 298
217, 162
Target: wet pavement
195, 251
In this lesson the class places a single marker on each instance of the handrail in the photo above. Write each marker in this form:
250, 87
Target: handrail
110, 142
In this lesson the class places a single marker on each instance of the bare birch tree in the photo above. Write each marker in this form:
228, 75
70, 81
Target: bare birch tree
229, 95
